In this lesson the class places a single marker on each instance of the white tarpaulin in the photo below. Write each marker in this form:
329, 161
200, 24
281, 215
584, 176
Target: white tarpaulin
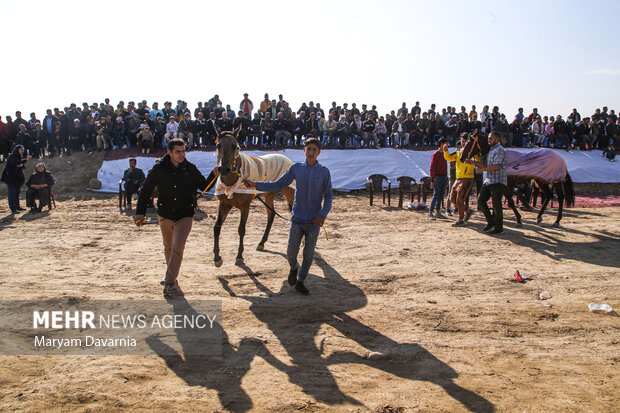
350, 168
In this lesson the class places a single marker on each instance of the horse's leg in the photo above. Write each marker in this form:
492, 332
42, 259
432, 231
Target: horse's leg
511, 204
222, 213
547, 196
269, 197
245, 211
559, 190
289, 194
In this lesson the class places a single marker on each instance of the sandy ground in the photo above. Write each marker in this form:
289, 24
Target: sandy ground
404, 314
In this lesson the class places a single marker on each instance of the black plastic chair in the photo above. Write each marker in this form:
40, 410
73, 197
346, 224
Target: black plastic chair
375, 184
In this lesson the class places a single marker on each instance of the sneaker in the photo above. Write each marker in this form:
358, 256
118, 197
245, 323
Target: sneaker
458, 223
440, 215
431, 217
496, 231
20, 208
449, 212
488, 227
171, 290
292, 276
468, 215
301, 288
411, 206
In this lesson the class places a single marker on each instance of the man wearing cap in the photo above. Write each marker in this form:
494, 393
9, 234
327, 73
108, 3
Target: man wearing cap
246, 105
313, 187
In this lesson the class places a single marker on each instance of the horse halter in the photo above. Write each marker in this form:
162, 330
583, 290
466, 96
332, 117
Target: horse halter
233, 167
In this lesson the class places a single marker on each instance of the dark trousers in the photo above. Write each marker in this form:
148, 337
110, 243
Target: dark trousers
524, 195
494, 191
43, 195
130, 189
13, 197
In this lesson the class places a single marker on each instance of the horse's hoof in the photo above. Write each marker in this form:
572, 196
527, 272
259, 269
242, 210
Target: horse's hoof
239, 261
260, 247
538, 220
218, 263
519, 224
556, 225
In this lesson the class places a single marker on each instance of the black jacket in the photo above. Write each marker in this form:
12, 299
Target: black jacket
177, 189
224, 124
14, 175
243, 121
40, 178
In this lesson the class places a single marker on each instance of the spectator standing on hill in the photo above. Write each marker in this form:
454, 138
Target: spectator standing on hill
265, 104
246, 105
13, 176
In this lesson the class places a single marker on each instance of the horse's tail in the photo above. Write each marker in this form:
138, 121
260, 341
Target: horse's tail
569, 192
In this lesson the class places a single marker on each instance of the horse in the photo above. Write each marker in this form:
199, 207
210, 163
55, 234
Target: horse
543, 166
233, 167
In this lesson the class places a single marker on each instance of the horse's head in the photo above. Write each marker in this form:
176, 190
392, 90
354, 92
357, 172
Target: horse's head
475, 145
227, 152
470, 148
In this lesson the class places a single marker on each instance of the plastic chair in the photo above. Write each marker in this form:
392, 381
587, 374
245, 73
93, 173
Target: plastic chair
375, 183
424, 188
51, 200
407, 185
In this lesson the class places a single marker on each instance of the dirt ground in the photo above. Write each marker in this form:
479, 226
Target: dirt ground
404, 314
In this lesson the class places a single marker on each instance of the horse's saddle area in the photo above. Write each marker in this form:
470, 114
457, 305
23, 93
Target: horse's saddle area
541, 163
263, 168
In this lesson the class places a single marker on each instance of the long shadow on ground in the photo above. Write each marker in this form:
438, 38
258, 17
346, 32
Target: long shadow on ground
295, 321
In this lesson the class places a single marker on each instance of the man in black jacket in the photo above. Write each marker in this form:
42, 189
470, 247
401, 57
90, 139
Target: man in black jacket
177, 180
224, 122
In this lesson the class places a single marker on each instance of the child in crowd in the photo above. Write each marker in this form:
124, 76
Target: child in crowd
610, 153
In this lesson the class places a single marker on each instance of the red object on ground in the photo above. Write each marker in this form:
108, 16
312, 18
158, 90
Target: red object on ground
518, 277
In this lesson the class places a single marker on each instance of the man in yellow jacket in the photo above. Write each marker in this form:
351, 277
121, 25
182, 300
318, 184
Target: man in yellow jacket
463, 184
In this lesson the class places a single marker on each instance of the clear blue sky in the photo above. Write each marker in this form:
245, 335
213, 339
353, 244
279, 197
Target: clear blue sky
554, 55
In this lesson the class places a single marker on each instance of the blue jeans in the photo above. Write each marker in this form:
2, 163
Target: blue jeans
438, 191
297, 231
13, 197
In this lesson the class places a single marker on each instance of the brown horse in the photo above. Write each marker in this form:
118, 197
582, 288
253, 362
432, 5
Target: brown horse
230, 191
563, 187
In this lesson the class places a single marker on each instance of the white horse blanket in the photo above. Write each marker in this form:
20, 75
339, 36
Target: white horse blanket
259, 169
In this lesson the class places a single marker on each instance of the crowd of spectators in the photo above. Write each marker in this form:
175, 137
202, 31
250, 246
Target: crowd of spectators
274, 124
